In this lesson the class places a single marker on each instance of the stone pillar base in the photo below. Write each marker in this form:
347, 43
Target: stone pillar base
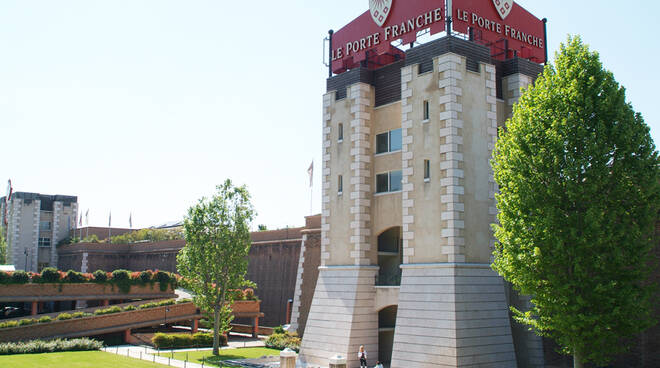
342, 315
452, 315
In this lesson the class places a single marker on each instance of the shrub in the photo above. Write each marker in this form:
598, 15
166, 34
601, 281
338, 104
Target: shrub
100, 276
9, 324
129, 308
146, 276
182, 301
50, 275
20, 277
120, 275
63, 317
278, 330
122, 279
283, 341
236, 294
74, 277
27, 322
111, 310
45, 319
40, 346
161, 340
80, 315
5, 278
249, 294
164, 279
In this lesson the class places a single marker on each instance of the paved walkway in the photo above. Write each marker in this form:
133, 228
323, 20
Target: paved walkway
150, 354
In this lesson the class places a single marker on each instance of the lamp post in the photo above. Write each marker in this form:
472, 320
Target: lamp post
25, 251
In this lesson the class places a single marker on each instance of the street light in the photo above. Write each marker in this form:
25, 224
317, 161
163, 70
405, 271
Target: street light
25, 251
167, 309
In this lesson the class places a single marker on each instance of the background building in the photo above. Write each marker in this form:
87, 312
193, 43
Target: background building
35, 224
275, 265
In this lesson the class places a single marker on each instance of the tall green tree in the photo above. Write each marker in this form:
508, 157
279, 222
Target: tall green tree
579, 197
215, 258
3, 246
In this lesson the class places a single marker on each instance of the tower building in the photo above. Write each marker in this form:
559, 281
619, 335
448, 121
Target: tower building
408, 190
35, 223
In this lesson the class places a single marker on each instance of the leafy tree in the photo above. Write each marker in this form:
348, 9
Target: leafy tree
215, 258
263, 228
3, 246
579, 197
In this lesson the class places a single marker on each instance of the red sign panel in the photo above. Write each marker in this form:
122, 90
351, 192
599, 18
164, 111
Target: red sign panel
495, 21
502, 25
402, 22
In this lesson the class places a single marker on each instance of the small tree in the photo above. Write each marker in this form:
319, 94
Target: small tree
578, 176
215, 257
3, 246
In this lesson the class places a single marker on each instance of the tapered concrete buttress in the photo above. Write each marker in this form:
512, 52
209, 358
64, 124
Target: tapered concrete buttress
342, 316
452, 315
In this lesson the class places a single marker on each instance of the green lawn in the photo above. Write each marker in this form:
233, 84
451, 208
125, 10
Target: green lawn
225, 354
78, 359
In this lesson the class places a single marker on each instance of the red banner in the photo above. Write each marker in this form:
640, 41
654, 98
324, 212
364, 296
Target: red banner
405, 18
495, 21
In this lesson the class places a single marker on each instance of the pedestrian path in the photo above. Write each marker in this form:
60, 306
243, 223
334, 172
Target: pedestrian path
150, 354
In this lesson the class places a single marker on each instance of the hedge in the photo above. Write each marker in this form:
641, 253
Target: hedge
98, 312
121, 278
167, 341
51, 346
282, 341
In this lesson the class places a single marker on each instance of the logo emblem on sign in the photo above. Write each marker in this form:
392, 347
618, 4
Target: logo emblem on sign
503, 7
380, 10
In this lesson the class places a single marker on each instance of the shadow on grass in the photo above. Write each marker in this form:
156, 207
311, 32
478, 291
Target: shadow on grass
217, 360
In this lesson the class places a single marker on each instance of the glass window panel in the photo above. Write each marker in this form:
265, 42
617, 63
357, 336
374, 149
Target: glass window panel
382, 143
381, 183
395, 140
395, 181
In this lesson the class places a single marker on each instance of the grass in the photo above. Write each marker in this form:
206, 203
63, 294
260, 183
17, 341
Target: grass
79, 359
225, 354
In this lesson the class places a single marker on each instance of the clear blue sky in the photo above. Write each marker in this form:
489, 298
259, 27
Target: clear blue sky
146, 105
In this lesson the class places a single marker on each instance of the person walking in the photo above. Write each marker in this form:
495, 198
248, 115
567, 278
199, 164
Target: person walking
362, 355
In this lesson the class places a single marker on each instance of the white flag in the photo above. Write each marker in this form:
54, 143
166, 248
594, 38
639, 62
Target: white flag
87, 217
130, 220
80, 222
310, 172
110, 219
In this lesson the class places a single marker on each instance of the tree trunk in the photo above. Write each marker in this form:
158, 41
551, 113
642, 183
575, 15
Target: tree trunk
216, 327
577, 360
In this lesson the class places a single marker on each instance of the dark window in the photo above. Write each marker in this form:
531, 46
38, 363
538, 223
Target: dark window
44, 242
382, 143
340, 185
44, 225
395, 181
427, 169
382, 183
426, 110
395, 140
340, 132
388, 182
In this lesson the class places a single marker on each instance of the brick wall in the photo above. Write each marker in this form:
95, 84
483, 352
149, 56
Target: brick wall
273, 263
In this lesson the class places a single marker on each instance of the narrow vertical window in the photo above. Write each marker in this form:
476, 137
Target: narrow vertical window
340, 132
426, 110
427, 170
340, 185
